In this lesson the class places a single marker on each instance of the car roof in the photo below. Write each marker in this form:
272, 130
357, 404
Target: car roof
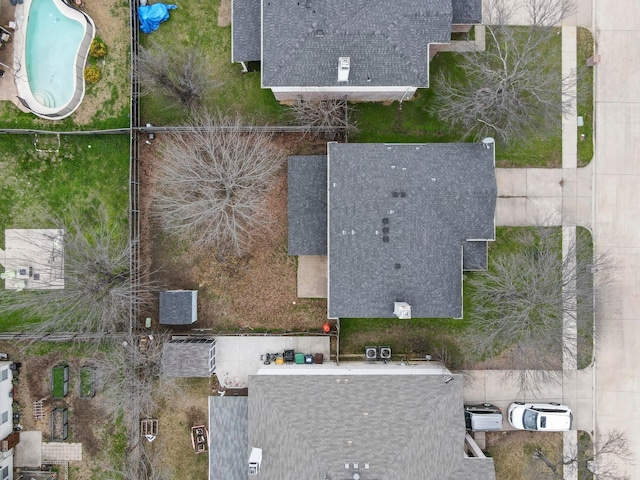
554, 421
481, 422
547, 407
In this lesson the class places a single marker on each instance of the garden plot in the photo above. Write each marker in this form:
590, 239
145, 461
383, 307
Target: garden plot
60, 381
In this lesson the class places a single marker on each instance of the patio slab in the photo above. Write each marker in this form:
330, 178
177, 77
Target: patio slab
28, 453
62, 451
237, 357
312, 276
33, 259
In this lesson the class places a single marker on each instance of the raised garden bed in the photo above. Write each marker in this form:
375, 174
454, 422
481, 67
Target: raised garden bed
87, 383
59, 425
60, 381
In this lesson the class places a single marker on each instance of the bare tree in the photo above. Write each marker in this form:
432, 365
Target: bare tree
87, 283
180, 75
524, 297
211, 183
591, 459
515, 87
330, 117
129, 371
145, 461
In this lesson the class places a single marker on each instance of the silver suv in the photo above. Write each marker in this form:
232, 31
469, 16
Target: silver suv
482, 418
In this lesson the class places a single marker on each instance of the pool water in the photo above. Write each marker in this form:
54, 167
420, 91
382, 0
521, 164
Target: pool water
51, 46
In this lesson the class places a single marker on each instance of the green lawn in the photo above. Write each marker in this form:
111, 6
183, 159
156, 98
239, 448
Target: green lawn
85, 173
585, 314
442, 338
195, 26
585, 99
412, 123
377, 122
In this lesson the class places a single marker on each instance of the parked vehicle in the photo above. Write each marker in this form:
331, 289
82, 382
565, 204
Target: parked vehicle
482, 418
544, 417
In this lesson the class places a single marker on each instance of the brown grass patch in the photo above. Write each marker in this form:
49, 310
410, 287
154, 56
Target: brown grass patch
175, 419
257, 291
110, 95
224, 13
512, 454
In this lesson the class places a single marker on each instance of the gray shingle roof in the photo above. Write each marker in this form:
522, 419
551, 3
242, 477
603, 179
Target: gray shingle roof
228, 438
307, 204
467, 11
186, 358
474, 256
398, 217
245, 30
386, 41
405, 427
176, 307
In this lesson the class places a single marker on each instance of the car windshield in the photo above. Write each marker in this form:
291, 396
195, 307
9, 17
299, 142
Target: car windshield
529, 420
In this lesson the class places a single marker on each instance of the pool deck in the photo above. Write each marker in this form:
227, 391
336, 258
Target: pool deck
8, 89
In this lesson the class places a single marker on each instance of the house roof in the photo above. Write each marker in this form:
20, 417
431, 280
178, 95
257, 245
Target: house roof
475, 255
245, 30
187, 358
387, 42
398, 218
466, 11
307, 205
228, 432
176, 307
403, 426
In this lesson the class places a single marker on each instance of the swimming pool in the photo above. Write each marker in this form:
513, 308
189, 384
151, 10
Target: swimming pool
56, 43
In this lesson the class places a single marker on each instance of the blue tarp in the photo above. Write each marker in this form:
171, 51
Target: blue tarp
151, 16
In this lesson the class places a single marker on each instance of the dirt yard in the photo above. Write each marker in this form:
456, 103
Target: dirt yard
110, 95
255, 292
87, 418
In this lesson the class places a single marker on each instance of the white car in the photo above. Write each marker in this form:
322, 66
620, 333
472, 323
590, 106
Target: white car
544, 417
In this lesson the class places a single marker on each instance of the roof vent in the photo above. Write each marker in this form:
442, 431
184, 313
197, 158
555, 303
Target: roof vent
255, 459
344, 64
488, 142
402, 310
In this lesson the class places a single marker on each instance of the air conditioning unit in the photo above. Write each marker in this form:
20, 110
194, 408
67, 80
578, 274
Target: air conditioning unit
371, 353
402, 310
385, 353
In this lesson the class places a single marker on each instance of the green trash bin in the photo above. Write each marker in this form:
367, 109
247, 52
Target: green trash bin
299, 358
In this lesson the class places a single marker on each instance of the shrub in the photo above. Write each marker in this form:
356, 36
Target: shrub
92, 74
98, 49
